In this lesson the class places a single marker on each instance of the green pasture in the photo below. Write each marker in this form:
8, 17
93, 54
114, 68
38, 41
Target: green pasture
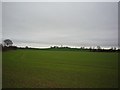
59, 69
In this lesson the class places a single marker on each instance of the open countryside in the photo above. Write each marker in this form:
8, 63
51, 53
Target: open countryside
59, 69
60, 45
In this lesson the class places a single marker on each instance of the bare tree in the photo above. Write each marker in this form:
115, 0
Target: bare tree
98, 47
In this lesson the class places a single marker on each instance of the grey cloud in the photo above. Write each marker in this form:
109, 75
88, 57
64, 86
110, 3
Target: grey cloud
62, 23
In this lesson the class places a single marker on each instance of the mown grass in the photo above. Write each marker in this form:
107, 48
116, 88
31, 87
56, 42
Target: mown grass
59, 69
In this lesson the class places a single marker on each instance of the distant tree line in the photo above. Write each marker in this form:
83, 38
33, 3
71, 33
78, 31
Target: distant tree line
98, 49
8, 45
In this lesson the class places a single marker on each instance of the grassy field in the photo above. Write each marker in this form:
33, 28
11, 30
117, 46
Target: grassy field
0, 68
59, 69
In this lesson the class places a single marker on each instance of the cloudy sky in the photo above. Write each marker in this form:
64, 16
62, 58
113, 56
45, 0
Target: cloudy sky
75, 24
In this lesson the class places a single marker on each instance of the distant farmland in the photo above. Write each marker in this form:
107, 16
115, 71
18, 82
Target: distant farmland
59, 69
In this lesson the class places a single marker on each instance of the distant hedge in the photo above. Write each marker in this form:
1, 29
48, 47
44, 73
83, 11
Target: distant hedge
5, 48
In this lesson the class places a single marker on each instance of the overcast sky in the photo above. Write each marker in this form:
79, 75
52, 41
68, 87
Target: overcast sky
73, 24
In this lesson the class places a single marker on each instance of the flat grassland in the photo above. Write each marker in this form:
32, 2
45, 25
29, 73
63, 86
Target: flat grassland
59, 69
